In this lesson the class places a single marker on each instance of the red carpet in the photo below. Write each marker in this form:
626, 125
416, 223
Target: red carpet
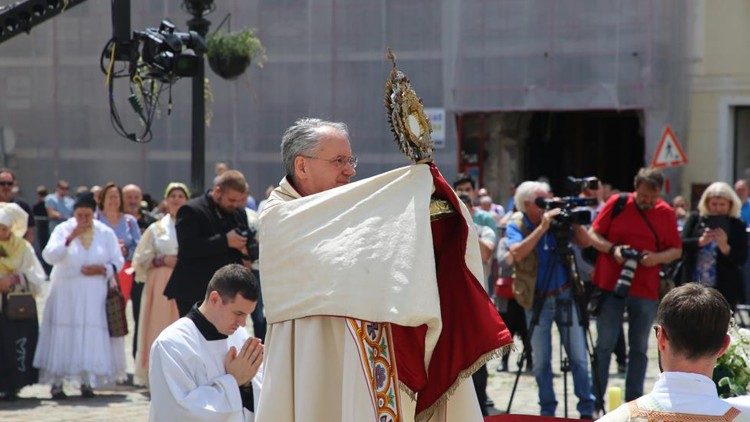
524, 418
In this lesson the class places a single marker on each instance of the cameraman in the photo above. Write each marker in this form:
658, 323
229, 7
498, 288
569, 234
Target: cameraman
642, 227
542, 286
208, 238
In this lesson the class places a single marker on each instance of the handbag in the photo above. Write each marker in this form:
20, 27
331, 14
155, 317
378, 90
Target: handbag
115, 305
504, 288
20, 306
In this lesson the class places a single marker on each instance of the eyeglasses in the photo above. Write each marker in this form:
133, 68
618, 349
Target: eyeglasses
339, 161
63, 187
5, 183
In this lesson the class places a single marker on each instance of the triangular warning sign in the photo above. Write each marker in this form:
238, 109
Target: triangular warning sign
669, 152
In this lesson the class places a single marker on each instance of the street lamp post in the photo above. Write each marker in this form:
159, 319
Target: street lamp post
199, 24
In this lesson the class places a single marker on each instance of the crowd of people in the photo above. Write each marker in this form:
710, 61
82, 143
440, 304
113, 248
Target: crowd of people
191, 269
626, 258
86, 242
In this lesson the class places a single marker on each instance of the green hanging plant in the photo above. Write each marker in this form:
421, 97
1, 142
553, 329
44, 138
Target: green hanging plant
230, 54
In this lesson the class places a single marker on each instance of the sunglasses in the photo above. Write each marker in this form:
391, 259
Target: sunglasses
4, 183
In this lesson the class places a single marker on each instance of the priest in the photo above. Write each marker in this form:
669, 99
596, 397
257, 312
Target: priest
372, 290
205, 367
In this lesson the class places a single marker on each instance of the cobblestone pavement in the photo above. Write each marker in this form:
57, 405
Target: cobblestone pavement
130, 403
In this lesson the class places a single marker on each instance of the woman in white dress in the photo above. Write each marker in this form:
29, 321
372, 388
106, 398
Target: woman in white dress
154, 260
74, 342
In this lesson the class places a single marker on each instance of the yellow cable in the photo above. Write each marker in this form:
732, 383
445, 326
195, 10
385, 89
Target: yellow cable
65, 5
111, 65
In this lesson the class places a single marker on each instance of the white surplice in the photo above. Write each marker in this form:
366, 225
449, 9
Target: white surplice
678, 396
364, 251
187, 378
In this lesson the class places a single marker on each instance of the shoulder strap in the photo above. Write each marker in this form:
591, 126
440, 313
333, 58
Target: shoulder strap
622, 199
648, 223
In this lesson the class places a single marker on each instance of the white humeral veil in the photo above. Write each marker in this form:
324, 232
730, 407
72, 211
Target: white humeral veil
364, 251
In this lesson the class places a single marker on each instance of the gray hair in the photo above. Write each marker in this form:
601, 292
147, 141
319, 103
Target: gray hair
303, 138
526, 191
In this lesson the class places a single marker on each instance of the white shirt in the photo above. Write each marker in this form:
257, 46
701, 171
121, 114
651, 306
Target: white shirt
679, 392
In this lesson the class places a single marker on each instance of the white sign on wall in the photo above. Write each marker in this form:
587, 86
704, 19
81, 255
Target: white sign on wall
437, 121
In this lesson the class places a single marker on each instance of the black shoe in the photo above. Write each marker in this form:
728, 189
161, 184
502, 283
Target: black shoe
58, 393
622, 368
489, 402
587, 417
9, 396
87, 392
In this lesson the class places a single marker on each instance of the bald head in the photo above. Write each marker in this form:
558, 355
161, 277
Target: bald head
131, 199
742, 190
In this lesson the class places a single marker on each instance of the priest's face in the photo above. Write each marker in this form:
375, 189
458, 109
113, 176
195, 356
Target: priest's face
233, 314
330, 165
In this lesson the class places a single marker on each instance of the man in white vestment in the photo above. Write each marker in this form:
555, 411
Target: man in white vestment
349, 276
691, 334
205, 367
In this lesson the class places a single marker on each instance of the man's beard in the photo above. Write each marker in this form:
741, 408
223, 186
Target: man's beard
226, 210
643, 207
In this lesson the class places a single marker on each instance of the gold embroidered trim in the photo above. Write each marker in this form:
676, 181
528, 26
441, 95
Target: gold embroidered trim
661, 416
440, 208
378, 359
466, 373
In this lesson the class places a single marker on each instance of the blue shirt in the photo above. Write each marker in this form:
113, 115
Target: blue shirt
545, 282
126, 230
62, 205
745, 212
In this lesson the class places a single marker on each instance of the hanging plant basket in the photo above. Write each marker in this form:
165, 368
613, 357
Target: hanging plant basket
229, 67
230, 54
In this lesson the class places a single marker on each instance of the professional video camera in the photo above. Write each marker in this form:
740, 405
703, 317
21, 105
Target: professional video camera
253, 250
579, 184
569, 215
170, 54
631, 257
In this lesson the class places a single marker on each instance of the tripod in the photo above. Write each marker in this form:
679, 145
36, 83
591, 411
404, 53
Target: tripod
564, 308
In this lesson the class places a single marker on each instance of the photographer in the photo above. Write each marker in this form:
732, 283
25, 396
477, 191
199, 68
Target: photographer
542, 286
209, 235
715, 243
642, 227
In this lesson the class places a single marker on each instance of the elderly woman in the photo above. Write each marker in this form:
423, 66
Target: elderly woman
20, 271
715, 243
154, 260
74, 342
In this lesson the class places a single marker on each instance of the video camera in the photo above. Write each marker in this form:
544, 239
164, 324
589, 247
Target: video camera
253, 250
579, 184
568, 215
168, 52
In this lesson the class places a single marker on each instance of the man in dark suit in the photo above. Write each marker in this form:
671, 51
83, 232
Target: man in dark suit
208, 239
